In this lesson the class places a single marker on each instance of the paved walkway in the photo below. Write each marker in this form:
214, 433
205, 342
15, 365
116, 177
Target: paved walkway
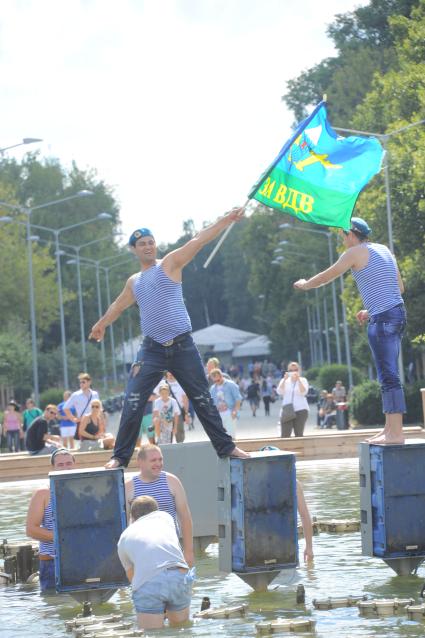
260, 426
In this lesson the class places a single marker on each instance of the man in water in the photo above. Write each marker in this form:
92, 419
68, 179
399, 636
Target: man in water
40, 520
167, 343
166, 489
150, 553
379, 283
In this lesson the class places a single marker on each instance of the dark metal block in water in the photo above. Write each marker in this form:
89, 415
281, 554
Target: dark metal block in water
258, 516
392, 501
90, 516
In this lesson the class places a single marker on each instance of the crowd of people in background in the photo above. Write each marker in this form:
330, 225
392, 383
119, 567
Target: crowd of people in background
80, 422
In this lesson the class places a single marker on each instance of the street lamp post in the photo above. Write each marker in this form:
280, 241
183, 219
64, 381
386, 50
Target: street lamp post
26, 140
98, 267
27, 211
334, 299
384, 137
77, 250
58, 252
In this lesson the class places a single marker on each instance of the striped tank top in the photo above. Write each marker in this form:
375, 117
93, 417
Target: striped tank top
160, 491
163, 314
377, 282
47, 547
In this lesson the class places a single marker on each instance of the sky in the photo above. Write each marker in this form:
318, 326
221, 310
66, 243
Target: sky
175, 103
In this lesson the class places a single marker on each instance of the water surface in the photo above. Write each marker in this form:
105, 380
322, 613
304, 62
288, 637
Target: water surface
339, 569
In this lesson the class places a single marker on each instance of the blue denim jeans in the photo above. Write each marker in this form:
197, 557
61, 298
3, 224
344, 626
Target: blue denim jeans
47, 575
385, 331
182, 359
170, 590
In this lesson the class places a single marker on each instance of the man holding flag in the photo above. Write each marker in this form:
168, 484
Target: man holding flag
317, 177
378, 279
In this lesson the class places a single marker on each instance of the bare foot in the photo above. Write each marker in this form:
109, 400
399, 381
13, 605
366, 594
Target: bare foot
112, 464
388, 439
237, 453
375, 436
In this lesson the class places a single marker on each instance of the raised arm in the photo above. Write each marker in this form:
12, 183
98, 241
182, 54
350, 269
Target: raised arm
124, 300
175, 261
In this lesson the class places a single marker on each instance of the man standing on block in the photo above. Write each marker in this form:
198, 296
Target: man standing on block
378, 279
167, 343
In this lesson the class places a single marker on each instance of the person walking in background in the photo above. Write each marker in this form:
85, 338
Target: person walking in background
167, 343
30, 413
266, 393
227, 398
177, 393
66, 426
293, 389
253, 394
12, 426
147, 426
166, 414
378, 280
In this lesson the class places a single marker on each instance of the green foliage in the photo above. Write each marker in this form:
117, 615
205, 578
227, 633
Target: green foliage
366, 403
414, 414
312, 374
15, 360
52, 395
329, 374
365, 46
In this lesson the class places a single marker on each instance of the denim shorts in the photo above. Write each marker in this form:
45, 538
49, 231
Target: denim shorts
171, 590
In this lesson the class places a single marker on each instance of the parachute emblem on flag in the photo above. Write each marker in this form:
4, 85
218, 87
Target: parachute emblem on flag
301, 153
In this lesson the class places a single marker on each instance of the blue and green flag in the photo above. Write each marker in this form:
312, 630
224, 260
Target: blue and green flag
318, 175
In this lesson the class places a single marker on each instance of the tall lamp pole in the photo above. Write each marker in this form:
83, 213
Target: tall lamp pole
26, 140
27, 211
80, 292
58, 252
331, 260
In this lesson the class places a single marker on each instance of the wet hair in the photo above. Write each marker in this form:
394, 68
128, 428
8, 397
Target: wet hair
57, 452
144, 449
143, 505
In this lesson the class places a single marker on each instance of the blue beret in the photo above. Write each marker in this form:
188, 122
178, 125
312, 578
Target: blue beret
359, 224
140, 232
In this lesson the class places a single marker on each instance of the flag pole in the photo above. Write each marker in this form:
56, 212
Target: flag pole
221, 240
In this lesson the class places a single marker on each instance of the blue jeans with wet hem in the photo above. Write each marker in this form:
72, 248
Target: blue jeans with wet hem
47, 575
182, 359
385, 331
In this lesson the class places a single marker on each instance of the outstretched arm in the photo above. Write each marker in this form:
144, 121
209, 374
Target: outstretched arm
117, 307
177, 259
344, 263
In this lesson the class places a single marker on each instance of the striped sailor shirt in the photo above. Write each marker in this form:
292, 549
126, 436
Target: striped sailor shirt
377, 281
163, 314
47, 547
160, 491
